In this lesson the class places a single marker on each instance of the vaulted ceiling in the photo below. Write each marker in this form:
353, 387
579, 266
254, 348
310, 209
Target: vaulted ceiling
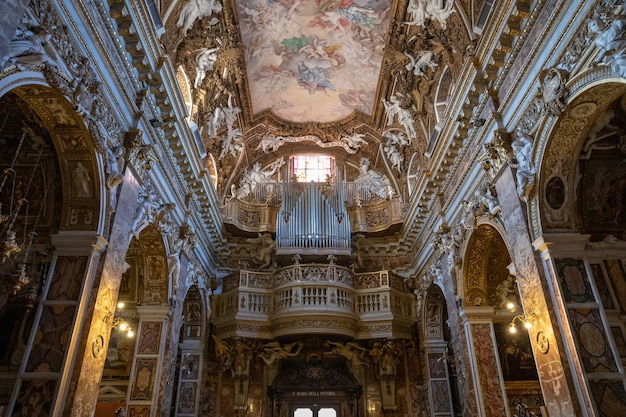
317, 71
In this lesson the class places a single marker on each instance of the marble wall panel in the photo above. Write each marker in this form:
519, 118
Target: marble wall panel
149, 338
620, 341
441, 396
51, 339
595, 351
601, 285
35, 398
67, 278
574, 280
187, 398
144, 379
192, 365
138, 411
487, 371
610, 397
436, 366
617, 277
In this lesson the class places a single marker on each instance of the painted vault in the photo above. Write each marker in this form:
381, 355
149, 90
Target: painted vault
302, 56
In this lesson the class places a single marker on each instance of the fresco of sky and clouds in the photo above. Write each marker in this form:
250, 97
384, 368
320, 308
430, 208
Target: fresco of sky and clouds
313, 60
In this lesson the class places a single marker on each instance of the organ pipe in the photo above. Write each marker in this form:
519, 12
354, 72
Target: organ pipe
311, 217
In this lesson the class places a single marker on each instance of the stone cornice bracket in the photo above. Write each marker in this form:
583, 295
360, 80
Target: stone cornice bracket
140, 155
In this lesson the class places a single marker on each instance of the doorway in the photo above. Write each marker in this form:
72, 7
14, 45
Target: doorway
315, 411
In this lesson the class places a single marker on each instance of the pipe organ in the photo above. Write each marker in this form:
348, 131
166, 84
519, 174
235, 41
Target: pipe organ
313, 219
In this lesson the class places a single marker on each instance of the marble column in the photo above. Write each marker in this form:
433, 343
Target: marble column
143, 391
484, 361
95, 342
556, 383
43, 381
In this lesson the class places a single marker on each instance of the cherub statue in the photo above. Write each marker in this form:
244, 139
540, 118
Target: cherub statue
205, 61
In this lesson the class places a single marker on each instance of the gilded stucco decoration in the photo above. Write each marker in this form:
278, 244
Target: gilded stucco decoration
43, 43
485, 266
75, 152
559, 168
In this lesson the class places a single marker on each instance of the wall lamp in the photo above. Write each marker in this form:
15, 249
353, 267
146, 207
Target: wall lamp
523, 319
118, 322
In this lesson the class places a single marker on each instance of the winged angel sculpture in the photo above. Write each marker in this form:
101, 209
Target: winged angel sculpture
197, 9
424, 10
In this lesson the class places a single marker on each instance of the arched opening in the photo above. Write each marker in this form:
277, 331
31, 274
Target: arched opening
491, 292
189, 363
581, 201
30, 205
144, 284
439, 354
49, 197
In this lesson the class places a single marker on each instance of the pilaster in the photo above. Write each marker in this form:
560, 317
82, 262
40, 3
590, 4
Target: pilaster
483, 352
551, 361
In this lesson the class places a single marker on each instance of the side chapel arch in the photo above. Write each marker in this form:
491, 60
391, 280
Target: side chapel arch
65, 206
559, 143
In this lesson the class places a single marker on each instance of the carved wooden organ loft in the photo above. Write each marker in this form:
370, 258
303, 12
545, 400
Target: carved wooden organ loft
314, 276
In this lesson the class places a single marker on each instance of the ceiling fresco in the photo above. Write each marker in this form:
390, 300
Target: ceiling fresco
302, 56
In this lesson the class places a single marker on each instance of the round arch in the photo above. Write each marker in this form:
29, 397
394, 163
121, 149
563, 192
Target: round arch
560, 141
486, 257
81, 167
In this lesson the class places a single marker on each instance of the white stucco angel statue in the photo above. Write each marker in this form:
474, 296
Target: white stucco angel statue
419, 63
204, 63
197, 9
424, 10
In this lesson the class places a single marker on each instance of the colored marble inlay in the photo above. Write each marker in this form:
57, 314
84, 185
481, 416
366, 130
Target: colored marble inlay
574, 280
187, 398
617, 277
589, 331
603, 290
35, 398
140, 411
144, 379
436, 365
67, 278
487, 371
52, 335
149, 338
609, 397
441, 396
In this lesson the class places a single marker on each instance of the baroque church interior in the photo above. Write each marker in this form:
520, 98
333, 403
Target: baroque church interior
299, 208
